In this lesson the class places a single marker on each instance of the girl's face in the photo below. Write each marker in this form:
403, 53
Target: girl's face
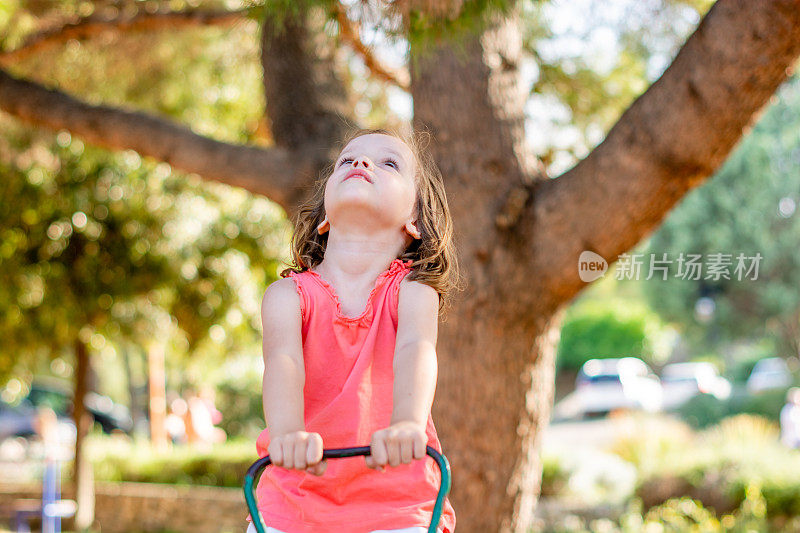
386, 198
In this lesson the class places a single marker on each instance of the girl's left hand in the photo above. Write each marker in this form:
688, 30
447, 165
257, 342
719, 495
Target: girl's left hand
401, 442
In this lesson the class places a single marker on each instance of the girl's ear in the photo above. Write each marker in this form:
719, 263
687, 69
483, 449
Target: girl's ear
412, 230
323, 226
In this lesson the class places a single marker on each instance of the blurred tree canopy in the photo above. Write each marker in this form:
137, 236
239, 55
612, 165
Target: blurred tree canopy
108, 246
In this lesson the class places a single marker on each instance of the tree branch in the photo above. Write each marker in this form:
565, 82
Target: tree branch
351, 35
673, 137
276, 172
95, 24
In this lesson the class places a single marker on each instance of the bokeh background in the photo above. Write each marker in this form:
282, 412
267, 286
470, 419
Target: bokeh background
136, 286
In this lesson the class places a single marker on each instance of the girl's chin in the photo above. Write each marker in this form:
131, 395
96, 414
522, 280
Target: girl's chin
361, 207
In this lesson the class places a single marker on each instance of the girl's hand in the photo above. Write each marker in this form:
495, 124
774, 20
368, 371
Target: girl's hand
299, 450
399, 443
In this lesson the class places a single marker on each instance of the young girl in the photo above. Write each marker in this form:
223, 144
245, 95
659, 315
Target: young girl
349, 347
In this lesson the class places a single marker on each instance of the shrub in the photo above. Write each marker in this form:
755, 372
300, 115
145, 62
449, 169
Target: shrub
684, 515
724, 462
554, 476
651, 439
223, 466
767, 403
242, 408
703, 410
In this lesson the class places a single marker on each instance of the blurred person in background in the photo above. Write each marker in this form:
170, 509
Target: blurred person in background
201, 429
46, 426
208, 396
176, 419
790, 419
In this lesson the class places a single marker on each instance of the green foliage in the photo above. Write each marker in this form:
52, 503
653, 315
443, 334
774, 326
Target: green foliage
593, 66
683, 514
554, 476
241, 404
654, 439
687, 515
742, 369
703, 410
107, 246
600, 330
766, 403
223, 466
740, 460
107, 242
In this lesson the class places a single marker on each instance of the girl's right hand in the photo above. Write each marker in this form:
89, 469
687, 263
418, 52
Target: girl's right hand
299, 450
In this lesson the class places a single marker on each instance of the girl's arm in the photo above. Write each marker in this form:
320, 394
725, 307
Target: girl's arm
415, 372
284, 378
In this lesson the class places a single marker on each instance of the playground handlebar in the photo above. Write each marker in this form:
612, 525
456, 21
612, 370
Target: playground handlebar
339, 453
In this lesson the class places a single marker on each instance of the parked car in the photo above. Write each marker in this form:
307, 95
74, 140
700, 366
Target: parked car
604, 385
111, 416
681, 381
769, 373
16, 420
19, 420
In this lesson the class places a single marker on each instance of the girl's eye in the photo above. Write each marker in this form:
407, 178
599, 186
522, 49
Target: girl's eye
392, 161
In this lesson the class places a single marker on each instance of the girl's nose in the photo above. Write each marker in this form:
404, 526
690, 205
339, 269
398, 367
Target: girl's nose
365, 162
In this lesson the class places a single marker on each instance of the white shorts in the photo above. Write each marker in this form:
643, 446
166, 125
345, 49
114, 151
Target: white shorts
252, 529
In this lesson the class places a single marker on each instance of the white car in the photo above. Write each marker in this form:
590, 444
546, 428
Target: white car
681, 381
604, 385
769, 373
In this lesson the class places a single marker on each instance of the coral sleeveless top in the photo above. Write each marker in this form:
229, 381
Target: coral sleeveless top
348, 396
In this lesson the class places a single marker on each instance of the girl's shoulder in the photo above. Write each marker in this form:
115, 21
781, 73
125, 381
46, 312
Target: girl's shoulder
416, 296
283, 294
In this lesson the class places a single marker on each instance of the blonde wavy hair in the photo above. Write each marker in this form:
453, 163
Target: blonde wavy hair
433, 255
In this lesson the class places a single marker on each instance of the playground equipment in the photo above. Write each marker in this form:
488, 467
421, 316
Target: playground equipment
338, 453
51, 507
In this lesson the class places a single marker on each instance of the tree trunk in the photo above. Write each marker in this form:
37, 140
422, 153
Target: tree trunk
496, 358
82, 479
132, 392
494, 398
157, 394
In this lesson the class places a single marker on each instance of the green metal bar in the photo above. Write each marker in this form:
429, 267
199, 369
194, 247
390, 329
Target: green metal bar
337, 453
